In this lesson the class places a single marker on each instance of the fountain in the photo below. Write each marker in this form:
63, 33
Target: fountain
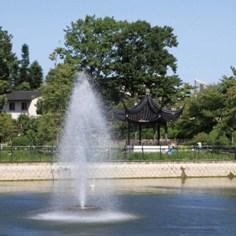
84, 205
85, 140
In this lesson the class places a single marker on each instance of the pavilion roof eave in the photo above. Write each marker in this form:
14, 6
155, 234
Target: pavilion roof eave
146, 111
169, 115
146, 101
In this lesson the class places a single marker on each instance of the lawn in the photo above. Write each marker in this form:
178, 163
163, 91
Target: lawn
48, 155
182, 155
27, 155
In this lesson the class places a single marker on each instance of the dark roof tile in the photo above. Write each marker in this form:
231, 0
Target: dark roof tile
22, 95
147, 111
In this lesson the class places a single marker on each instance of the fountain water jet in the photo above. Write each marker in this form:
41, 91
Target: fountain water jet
85, 140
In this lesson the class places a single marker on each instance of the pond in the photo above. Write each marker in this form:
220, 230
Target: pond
162, 207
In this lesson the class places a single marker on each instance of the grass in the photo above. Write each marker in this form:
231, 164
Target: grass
176, 156
24, 156
34, 155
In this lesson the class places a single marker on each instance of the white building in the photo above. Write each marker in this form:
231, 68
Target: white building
21, 102
199, 86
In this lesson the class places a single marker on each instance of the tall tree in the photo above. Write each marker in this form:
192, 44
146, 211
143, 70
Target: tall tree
202, 113
144, 60
36, 75
7, 127
124, 58
57, 89
24, 65
228, 88
8, 61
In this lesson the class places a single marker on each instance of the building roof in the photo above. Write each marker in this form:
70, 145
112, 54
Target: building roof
22, 95
147, 111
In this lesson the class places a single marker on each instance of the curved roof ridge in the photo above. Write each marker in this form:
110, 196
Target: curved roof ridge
155, 108
147, 111
171, 111
139, 106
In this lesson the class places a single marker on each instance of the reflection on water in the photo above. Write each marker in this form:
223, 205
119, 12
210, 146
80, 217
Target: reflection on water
128, 185
168, 207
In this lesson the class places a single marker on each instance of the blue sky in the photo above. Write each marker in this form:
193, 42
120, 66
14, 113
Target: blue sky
206, 29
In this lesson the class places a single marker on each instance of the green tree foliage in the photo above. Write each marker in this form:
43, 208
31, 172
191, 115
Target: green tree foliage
24, 65
30, 75
202, 112
143, 61
36, 75
48, 128
23, 86
228, 88
7, 128
27, 128
57, 89
17, 74
217, 136
52, 106
201, 137
8, 62
124, 58
3, 89
211, 112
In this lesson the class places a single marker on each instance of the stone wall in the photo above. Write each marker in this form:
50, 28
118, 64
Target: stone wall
50, 171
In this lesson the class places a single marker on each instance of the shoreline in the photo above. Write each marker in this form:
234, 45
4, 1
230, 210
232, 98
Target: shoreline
118, 170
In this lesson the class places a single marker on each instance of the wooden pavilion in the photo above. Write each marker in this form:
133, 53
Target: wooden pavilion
147, 113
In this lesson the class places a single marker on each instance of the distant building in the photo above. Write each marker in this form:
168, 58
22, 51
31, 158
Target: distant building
21, 102
199, 86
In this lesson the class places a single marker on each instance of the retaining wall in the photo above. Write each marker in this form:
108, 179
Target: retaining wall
50, 171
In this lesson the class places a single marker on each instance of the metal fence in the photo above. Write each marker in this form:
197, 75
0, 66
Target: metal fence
127, 153
180, 153
27, 153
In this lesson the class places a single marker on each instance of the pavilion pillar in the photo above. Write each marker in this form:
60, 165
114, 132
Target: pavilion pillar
140, 133
128, 135
166, 132
158, 133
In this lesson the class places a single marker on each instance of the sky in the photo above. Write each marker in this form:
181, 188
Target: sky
205, 29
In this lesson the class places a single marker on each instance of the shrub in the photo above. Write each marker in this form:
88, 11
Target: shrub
201, 137
218, 137
21, 141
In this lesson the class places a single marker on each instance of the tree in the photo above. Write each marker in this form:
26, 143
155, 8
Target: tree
36, 75
3, 89
201, 113
8, 62
218, 136
23, 86
123, 58
7, 128
143, 61
30, 75
24, 65
228, 89
57, 89
27, 130
48, 128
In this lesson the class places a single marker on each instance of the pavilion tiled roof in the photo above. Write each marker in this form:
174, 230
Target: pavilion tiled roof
147, 111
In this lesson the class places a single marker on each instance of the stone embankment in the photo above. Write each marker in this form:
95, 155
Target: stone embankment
118, 170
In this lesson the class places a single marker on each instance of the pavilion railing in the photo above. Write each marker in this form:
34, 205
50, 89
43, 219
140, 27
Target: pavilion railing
120, 153
180, 153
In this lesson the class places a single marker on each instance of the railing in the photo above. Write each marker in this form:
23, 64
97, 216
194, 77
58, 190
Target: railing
127, 153
27, 153
179, 153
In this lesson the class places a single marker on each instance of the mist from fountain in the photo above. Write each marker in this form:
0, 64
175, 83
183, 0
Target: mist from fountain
85, 141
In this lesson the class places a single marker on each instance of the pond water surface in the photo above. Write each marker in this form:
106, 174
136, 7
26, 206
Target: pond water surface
160, 207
